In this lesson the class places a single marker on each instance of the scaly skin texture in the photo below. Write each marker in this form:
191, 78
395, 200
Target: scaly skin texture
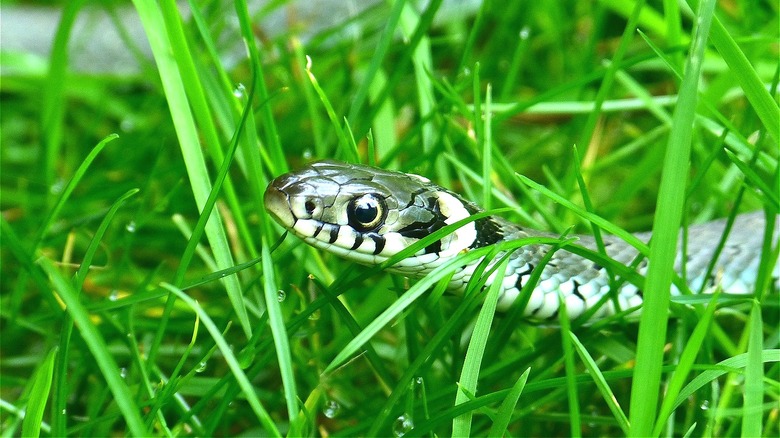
367, 215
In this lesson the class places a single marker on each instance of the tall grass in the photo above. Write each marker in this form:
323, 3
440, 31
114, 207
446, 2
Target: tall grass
133, 220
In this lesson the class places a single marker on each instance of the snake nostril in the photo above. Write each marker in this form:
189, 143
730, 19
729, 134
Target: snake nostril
310, 206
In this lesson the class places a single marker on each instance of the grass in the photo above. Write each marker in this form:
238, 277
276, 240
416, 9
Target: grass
144, 290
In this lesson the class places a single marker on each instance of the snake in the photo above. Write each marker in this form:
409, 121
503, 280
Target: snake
368, 215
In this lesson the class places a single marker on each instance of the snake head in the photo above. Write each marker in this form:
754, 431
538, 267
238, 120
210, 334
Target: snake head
367, 214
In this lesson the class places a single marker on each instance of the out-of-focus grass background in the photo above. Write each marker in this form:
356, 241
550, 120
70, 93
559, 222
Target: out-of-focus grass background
108, 156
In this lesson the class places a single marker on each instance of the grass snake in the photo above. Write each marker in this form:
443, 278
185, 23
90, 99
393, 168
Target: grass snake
367, 215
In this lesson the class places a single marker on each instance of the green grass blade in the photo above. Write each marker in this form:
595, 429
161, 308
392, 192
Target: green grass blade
230, 359
685, 363
571, 372
281, 342
123, 396
752, 410
189, 142
601, 383
74, 180
54, 94
461, 425
765, 106
721, 368
504, 413
385, 40
652, 326
39, 394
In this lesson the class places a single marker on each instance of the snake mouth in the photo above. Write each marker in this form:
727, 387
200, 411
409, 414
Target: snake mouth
278, 205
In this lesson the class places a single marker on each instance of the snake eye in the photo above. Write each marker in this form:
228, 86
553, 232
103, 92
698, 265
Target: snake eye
366, 212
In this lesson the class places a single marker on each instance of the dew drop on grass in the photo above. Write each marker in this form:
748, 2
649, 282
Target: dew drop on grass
239, 91
525, 32
281, 295
705, 405
402, 425
57, 187
114, 295
123, 372
127, 125
331, 408
131, 227
307, 154
201, 367
419, 381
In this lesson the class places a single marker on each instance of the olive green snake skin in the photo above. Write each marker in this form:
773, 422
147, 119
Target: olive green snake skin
367, 215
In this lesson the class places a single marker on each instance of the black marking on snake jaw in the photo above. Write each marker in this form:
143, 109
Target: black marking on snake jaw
334, 234
318, 230
433, 248
414, 195
420, 229
488, 230
379, 242
358, 242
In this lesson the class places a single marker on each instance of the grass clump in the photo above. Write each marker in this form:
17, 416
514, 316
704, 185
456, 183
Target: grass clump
132, 218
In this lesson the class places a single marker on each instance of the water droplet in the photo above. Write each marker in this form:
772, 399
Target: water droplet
314, 316
131, 227
419, 380
123, 372
239, 91
307, 154
525, 32
57, 187
281, 295
705, 405
127, 124
402, 425
331, 408
114, 295
64, 412
201, 367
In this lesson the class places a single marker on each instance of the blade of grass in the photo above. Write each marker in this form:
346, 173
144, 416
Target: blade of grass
74, 180
281, 341
575, 420
382, 46
123, 396
652, 326
601, 383
685, 363
59, 398
461, 425
723, 367
420, 288
39, 394
764, 105
53, 104
277, 161
230, 359
504, 413
194, 161
752, 412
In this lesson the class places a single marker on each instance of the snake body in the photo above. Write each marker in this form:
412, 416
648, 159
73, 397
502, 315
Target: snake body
367, 215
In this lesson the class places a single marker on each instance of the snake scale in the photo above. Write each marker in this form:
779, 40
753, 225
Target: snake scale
367, 215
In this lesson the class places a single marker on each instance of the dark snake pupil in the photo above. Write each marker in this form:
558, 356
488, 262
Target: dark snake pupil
366, 211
